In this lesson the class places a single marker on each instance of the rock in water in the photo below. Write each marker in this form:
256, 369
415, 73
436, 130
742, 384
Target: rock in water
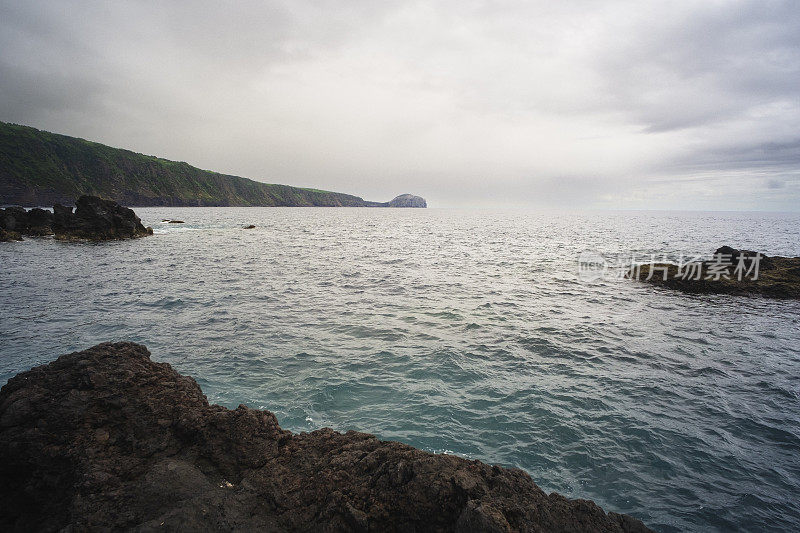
94, 219
757, 275
14, 219
8, 236
35, 222
97, 219
106, 439
408, 200
62, 216
40, 222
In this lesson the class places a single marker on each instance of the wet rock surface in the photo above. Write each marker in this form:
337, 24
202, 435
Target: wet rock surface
8, 236
94, 219
731, 271
106, 439
36, 222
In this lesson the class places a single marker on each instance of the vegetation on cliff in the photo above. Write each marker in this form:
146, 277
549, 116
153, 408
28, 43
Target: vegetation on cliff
42, 168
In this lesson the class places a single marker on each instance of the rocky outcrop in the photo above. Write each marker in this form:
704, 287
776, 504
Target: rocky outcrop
36, 222
94, 219
8, 236
106, 439
730, 271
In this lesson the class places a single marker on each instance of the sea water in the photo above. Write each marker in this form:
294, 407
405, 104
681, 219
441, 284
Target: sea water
465, 332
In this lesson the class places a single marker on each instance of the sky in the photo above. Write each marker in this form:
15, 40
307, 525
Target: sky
588, 104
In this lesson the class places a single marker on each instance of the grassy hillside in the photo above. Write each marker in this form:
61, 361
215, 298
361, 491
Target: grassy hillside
42, 168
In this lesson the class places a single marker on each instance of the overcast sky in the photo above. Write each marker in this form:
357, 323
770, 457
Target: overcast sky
614, 104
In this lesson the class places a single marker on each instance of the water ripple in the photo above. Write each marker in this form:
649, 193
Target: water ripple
463, 332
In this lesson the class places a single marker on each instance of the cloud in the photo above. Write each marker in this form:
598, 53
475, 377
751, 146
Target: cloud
466, 103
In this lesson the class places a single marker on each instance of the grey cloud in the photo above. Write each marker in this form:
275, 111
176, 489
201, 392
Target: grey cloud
466, 103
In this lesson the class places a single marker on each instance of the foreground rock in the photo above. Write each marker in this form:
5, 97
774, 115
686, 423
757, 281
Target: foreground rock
731, 271
106, 439
94, 219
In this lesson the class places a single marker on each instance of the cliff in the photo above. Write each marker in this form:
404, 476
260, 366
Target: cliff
106, 439
42, 168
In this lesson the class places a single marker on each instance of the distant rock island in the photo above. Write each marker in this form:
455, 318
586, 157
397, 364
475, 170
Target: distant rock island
407, 200
40, 168
94, 219
108, 440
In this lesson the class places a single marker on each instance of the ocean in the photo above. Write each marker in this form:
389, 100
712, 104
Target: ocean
467, 332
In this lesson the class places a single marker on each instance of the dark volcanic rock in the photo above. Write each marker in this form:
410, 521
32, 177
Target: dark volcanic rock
94, 219
106, 439
35, 222
765, 262
13, 219
62, 216
778, 277
98, 219
40, 222
7, 236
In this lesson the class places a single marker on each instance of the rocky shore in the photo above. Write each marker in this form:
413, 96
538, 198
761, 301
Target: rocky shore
94, 219
106, 439
730, 271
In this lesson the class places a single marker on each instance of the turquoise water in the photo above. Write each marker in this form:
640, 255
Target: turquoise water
463, 332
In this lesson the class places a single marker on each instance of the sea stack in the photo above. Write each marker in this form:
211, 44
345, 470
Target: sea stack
407, 200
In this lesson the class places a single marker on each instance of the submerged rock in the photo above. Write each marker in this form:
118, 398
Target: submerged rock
731, 271
106, 439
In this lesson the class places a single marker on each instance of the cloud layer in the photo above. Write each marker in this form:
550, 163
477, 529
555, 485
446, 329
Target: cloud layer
619, 104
